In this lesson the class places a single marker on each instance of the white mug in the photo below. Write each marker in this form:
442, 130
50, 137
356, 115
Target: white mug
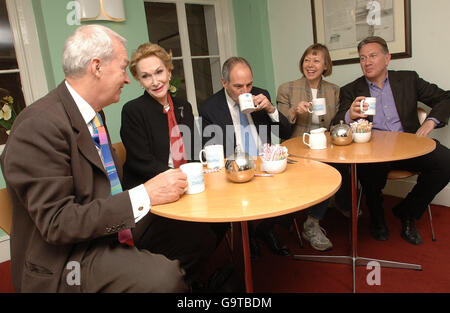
194, 173
371, 110
246, 103
317, 139
214, 156
319, 106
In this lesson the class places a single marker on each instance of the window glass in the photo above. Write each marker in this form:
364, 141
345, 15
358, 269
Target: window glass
198, 65
7, 53
10, 86
206, 78
201, 22
162, 25
178, 72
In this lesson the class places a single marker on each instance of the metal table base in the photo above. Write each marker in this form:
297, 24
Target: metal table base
354, 259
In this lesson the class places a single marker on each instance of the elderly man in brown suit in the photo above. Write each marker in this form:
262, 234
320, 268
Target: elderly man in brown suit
66, 217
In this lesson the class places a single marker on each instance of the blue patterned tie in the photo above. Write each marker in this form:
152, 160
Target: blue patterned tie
101, 140
248, 142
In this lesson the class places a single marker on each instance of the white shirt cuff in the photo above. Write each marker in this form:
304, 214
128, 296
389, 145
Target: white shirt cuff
140, 202
274, 116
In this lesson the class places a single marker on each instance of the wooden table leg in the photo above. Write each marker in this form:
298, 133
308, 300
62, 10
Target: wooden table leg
247, 261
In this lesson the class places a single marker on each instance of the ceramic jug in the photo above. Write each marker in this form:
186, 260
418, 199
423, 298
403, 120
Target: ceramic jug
317, 139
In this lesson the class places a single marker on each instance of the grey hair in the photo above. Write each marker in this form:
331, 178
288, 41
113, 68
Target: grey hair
229, 64
88, 42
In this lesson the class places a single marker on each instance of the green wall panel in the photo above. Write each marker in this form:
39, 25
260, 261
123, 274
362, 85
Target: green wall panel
54, 28
253, 41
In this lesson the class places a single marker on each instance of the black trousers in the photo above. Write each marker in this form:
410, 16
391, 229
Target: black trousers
433, 175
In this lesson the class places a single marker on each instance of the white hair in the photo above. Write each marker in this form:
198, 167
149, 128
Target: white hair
88, 42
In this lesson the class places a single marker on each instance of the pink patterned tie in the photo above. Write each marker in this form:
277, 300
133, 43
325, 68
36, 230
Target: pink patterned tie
101, 140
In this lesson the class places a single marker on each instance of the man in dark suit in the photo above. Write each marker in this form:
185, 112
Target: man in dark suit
397, 94
222, 123
69, 216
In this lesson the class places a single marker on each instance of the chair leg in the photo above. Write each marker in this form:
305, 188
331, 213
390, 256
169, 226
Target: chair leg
300, 242
431, 223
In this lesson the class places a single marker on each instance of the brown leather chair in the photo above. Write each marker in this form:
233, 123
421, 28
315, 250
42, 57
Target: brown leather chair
5, 211
120, 151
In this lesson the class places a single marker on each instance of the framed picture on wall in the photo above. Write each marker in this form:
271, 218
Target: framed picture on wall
341, 25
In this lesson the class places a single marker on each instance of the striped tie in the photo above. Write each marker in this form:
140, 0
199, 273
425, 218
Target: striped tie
101, 141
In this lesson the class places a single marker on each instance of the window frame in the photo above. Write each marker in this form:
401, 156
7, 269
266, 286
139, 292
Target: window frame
226, 39
28, 51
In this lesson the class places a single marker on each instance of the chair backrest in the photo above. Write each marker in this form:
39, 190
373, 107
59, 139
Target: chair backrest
402, 174
5, 211
120, 150
422, 115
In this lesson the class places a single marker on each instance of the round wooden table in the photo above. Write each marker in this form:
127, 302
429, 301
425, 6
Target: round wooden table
262, 197
384, 146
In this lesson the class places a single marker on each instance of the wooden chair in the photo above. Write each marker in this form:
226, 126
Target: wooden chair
5, 211
401, 174
120, 150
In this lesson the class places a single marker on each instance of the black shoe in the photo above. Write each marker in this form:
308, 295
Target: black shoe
379, 231
269, 238
410, 232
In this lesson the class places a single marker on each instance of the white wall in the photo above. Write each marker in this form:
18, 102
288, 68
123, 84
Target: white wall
291, 32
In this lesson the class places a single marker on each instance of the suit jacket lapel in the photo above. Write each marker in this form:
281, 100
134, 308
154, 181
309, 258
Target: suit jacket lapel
223, 109
84, 139
396, 88
224, 113
362, 89
178, 111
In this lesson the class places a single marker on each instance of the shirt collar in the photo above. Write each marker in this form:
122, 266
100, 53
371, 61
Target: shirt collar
87, 112
230, 102
375, 85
